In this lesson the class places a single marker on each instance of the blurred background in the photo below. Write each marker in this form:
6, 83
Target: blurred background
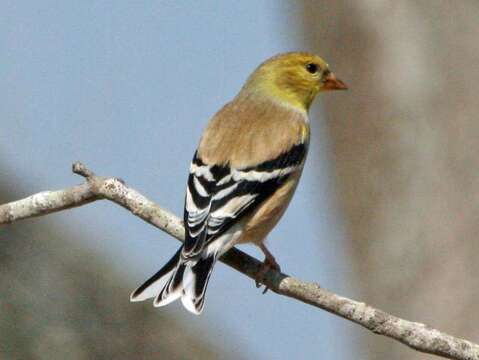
386, 212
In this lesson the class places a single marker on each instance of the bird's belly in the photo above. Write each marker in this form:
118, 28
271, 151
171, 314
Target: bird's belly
261, 221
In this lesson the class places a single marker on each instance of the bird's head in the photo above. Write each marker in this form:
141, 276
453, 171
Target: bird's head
293, 79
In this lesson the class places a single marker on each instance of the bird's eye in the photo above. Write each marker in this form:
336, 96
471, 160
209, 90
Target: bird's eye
312, 68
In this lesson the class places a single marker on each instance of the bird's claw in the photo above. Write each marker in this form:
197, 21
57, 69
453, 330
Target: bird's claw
267, 265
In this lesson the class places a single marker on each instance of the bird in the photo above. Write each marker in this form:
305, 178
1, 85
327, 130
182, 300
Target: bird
243, 174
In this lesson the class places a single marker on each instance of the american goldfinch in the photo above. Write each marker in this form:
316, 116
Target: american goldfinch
243, 174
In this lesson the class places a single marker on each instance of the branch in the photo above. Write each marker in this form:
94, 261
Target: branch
415, 335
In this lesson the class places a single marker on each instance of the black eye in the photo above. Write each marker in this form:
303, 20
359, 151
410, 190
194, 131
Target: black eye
312, 68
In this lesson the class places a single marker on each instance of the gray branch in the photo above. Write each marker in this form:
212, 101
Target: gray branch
415, 335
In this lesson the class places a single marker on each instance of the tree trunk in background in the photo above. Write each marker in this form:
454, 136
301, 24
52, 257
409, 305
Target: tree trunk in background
405, 146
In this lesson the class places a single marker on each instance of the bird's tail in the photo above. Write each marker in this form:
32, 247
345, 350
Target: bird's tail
187, 279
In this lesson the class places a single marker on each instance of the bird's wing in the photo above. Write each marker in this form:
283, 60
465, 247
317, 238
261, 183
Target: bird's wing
218, 196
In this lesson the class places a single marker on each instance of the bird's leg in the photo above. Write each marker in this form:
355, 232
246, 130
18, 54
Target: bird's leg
268, 263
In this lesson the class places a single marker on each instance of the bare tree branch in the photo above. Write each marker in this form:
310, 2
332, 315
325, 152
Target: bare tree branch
417, 336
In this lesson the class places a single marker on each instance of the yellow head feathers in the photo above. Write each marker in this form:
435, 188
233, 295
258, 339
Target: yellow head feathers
293, 79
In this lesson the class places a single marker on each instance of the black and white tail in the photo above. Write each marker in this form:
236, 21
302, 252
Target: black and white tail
187, 279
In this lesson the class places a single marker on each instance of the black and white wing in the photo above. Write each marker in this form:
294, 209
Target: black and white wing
218, 196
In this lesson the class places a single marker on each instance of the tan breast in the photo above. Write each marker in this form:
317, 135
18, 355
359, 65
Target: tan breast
261, 222
246, 132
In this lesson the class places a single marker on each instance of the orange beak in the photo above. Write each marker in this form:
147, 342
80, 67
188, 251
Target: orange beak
331, 82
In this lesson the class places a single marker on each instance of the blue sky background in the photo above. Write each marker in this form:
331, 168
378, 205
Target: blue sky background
127, 89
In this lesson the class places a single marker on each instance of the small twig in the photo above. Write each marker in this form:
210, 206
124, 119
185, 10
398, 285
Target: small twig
415, 335
80, 169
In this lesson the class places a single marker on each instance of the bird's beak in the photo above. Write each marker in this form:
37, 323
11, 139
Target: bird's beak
331, 82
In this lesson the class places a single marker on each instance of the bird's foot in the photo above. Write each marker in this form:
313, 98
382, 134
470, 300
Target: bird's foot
268, 264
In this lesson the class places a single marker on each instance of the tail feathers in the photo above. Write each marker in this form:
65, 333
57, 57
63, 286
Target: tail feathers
173, 288
154, 285
176, 279
195, 282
